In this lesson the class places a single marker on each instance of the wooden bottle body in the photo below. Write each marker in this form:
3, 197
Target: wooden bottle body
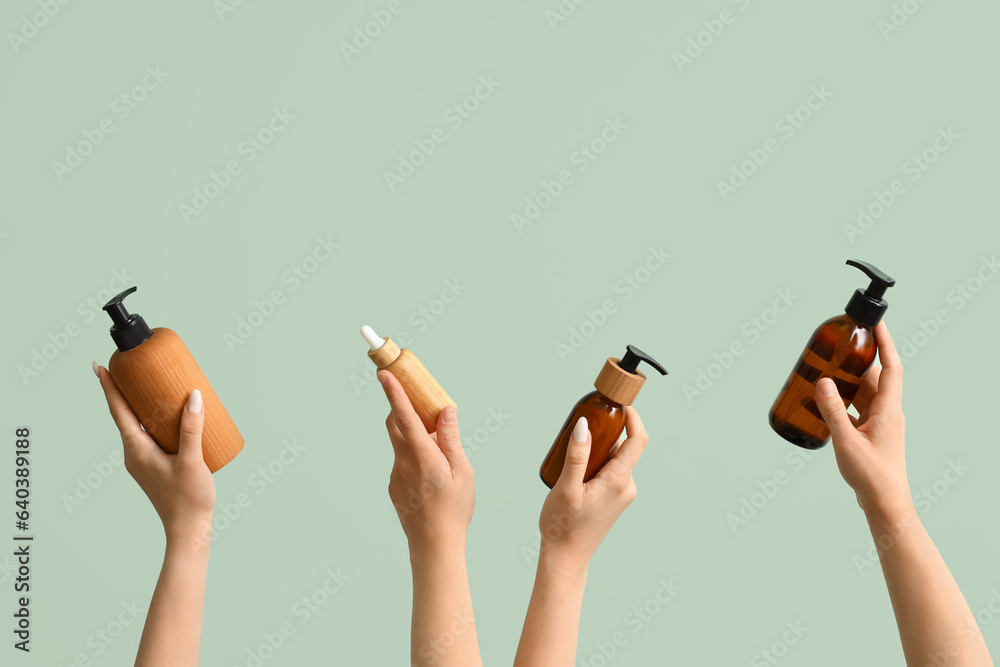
605, 420
426, 395
157, 377
842, 349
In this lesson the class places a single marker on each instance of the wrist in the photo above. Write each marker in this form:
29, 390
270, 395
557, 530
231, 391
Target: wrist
887, 506
190, 537
890, 519
563, 561
443, 549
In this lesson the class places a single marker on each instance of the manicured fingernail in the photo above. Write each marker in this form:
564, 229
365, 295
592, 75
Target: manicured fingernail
96, 372
194, 403
381, 377
449, 415
825, 387
580, 430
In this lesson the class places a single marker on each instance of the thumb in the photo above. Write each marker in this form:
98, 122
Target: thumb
831, 406
192, 424
577, 455
448, 438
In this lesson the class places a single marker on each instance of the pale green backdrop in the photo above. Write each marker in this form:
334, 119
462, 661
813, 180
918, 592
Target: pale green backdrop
887, 83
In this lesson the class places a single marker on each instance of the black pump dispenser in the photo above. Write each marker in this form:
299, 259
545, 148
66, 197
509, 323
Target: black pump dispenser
868, 306
128, 331
633, 355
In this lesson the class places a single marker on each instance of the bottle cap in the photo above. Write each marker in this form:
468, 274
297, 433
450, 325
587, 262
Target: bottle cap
383, 351
128, 331
620, 380
868, 306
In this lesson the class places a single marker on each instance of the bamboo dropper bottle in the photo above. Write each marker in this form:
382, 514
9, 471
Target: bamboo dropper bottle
617, 385
842, 348
156, 373
426, 395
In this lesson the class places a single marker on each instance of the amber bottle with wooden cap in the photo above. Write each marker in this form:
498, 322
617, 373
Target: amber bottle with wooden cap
843, 349
156, 374
617, 385
426, 395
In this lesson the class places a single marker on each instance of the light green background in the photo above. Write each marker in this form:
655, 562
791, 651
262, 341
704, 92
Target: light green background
495, 345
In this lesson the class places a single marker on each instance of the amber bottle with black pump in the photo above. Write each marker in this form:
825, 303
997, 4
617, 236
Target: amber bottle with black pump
617, 385
426, 395
842, 348
156, 374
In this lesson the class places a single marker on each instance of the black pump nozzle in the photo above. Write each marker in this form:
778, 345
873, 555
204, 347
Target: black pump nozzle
633, 355
128, 331
868, 306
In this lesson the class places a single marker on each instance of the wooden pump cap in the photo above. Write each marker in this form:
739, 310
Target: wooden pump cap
618, 385
385, 355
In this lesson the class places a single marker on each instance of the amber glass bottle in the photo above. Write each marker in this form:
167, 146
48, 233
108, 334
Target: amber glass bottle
617, 386
843, 349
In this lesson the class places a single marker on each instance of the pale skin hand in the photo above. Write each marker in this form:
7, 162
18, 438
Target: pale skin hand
936, 626
432, 488
575, 519
182, 492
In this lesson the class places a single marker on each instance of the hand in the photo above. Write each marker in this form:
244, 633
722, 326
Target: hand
431, 484
576, 516
869, 449
180, 485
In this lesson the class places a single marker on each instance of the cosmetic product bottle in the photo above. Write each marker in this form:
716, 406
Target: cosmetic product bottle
156, 373
617, 385
842, 348
424, 392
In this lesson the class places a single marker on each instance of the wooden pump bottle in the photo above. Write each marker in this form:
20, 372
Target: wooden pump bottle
426, 395
156, 374
617, 385
842, 348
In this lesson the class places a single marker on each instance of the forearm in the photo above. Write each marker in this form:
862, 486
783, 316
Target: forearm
935, 623
172, 634
443, 628
552, 622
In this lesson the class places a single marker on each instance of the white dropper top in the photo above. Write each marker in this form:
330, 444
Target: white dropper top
373, 339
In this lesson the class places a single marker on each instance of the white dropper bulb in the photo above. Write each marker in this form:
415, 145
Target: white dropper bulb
373, 339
